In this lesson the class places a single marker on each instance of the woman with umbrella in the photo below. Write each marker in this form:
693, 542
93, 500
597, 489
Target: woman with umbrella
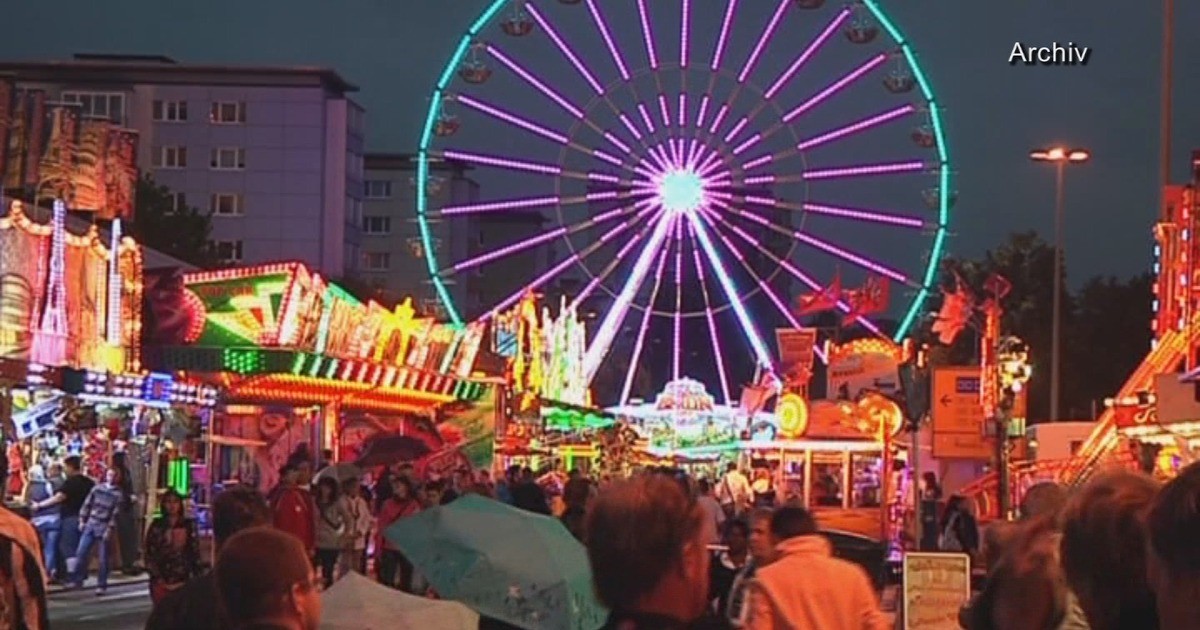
401, 504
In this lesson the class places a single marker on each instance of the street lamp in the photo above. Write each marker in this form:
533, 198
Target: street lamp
1013, 370
1060, 157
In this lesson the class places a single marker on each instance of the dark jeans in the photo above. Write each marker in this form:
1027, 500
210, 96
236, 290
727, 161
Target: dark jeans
68, 543
49, 533
327, 561
86, 541
394, 566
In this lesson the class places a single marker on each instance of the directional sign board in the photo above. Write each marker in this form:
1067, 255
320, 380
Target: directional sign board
958, 430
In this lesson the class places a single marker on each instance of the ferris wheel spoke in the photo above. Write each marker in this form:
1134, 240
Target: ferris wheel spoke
647, 34
533, 80
834, 134
864, 170
566, 263
723, 37
664, 110
763, 41
612, 265
523, 203
677, 333
807, 54
565, 48
842, 212
835, 87
639, 342
606, 34
710, 319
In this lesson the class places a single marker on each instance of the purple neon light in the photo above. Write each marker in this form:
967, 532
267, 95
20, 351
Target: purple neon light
865, 215
603, 177
719, 118
737, 128
512, 119
646, 117
708, 315
867, 169
723, 38
678, 333
757, 162
760, 179
613, 49
749, 142
510, 204
808, 53
682, 109
852, 76
762, 41
664, 110
502, 162
616, 141
830, 248
602, 195
703, 110
762, 284
615, 161
637, 135
564, 48
861, 125
621, 254
639, 343
647, 34
510, 249
531, 79
686, 10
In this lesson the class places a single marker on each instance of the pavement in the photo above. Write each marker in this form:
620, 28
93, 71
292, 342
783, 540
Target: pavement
126, 606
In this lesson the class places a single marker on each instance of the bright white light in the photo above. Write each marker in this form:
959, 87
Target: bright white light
681, 191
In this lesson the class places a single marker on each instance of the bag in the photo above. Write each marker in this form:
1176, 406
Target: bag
948, 540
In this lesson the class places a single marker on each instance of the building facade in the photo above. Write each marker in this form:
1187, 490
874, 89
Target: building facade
274, 153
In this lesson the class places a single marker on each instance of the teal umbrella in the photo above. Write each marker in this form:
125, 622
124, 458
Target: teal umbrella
515, 566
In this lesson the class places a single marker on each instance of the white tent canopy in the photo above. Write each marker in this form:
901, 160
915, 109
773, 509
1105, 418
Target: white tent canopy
355, 602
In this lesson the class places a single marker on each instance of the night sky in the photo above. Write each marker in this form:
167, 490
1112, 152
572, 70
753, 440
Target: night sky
996, 112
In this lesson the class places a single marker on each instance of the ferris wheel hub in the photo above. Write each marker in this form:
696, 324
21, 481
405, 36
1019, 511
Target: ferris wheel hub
681, 191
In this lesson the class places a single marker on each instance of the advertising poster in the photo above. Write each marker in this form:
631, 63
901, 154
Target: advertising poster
796, 353
56, 179
35, 141
86, 305
854, 368
120, 174
936, 585
471, 426
90, 162
21, 283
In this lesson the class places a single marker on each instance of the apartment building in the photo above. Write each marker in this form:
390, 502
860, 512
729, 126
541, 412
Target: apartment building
275, 153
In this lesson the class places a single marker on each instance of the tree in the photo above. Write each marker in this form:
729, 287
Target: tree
181, 233
1109, 338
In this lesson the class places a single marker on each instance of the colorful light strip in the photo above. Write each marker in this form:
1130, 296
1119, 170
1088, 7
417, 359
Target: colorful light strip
723, 37
532, 80
700, 113
684, 30
664, 110
889, 168
835, 87
503, 162
512, 119
865, 215
613, 49
768, 33
677, 333
510, 204
647, 34
637, 135
856, 127
682, 110
641, 107
639, 342
811, 50
713, 337
564, 48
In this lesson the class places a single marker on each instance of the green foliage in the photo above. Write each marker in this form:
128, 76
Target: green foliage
182, 234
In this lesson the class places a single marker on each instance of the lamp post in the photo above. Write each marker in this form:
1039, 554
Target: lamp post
1060, 157
1013, 371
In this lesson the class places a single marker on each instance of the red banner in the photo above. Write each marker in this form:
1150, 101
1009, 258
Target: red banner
120, 174
90, 162
57, 174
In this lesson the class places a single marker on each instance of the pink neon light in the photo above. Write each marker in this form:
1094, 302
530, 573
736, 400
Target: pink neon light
708, 315
870, 65
723, 38
760, 179
762, 41
603, 177
645, 325
621, 254
830, 248
600, 196
741, 124
613, 50
869, 169
808, 53
762, 201
511, 204
566, 50
534, 81
512, 119
758, 161
861, 125
510, 249
646, 117
647, 34
683, 36
678, 333
501, 162
637, 135
749, 142
703, 110
682, 109
719, 118
616, 141
865, 215
664, 110
615, 161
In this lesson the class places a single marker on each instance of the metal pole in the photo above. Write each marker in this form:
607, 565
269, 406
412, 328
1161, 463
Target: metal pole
1002, 474
1168, 55
1056, 333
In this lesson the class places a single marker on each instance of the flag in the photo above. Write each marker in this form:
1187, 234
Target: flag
871, 298
824, 300
998, 286
956, 310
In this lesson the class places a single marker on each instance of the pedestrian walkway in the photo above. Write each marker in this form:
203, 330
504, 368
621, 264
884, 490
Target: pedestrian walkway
115, 580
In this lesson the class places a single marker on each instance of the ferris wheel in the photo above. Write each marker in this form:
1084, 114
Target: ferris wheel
690, 159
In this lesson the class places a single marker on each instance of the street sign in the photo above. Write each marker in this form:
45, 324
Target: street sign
957, 414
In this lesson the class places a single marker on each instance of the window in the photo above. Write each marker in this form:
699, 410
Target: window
866, 480
377, 226
227, 113
226, 204
170, 111
377, 261
228, 159
827, 482
432, 307
171, 157
377, 189
108, 105
178, 203
416, 246
228, 251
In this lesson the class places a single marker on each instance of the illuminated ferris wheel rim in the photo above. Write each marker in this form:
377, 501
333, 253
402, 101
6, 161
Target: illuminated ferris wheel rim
699, 221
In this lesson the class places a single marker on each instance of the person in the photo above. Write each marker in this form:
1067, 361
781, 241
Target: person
734, 492
650, 566
763, 488
714, 516
393, 565
761, 546
266, 582
529, 495
22, 576
1174, 555
333, 527
436, 494
126, 527
1104, 550
46, 516
729, 563
71, 495
576, 494
806, 587
505, 486
293, 505
958, 530
192, 606
97, 521
172, 548
353, 556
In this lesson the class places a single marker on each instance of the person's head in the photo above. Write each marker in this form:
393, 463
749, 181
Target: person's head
406, 469
327, 455
402, 488
930, 479
704, 487
288, 474
762, 543
263, 573
1027, 590
1044, 499
645, 542
56, 469
327, 490
351, 487
483, 475
1173, 524
235, 509
303, 471
574, 474
37, 474
72, 464
737, 536
526, 474
731, 466
513, 473
172, 503
1104, 550
459, 477
434, 490
110, 475
791, 521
